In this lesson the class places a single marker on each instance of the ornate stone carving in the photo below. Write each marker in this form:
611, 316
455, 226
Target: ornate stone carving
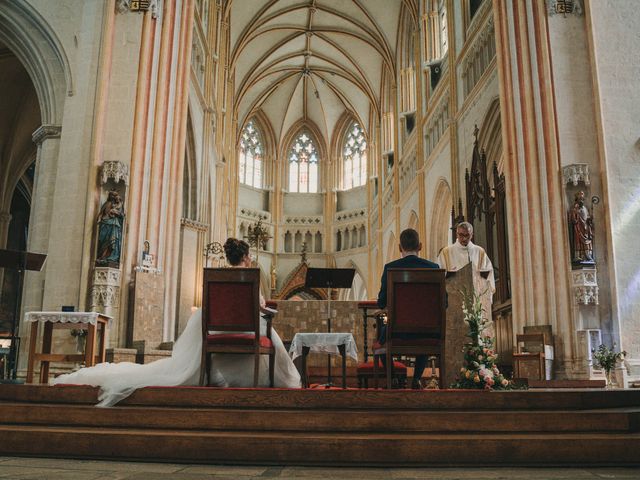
585, 286
351, 215
575, 173
106, 276
115, 170
194, 225
303, 220
105, 292
45, 131
255, 214
564, 7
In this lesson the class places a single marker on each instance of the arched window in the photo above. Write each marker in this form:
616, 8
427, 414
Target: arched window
354, 158
303, 165
251, 152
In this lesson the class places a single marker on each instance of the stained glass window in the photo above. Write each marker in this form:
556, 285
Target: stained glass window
354, 158
303, 165
251, 156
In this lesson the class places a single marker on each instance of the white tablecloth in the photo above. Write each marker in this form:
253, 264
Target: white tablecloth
324, 343
65, 317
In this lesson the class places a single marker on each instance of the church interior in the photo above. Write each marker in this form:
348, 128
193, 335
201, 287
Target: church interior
137, 136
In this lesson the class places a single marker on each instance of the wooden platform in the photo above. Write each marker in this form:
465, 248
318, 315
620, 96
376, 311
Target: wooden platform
326, 427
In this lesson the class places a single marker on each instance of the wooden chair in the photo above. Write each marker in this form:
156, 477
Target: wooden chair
529, 359
231, 318
365, 370
416, 307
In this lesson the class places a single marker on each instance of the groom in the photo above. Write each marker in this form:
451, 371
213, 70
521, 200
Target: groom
409, 247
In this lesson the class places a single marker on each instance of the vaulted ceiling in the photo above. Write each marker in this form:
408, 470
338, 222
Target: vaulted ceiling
311, 60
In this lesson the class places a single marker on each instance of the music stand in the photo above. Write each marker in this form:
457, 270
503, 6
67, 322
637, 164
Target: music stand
329, 278
19, 261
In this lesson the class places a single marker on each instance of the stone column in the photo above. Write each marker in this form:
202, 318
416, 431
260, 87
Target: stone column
538, 242
47, 139
5, 220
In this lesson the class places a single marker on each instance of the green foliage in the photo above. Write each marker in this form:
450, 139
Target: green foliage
607, 358
480, 370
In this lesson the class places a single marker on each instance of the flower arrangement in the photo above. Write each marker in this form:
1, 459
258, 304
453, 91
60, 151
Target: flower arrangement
480, 370
607, 358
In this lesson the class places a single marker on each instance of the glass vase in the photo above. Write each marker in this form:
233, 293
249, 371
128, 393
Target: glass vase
608, 374
80, 342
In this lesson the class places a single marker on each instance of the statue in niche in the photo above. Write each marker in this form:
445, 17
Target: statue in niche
110, 223
581, 224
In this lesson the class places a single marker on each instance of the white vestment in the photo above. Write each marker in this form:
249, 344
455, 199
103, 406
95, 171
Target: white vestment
119, 380
456, 256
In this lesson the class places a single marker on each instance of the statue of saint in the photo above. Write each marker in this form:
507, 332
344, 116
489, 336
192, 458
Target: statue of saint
582, 227
274, 276
110, 223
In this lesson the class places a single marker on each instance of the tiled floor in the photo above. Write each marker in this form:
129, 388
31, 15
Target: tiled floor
54, 469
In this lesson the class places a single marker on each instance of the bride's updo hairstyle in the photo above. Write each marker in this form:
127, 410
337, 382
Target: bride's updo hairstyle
235, 250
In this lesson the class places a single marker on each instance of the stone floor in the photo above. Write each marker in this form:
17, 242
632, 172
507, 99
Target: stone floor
54, 469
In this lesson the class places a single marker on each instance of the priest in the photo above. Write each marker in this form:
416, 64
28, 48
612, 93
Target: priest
464, 251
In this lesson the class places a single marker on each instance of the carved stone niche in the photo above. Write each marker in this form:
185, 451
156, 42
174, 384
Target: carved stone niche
585, 286
576, 173
115, 171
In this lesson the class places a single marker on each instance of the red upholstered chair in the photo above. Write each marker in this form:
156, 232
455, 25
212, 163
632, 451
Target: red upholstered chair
231, 318
416, 305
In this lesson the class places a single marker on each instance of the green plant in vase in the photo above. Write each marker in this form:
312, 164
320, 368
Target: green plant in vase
606, 359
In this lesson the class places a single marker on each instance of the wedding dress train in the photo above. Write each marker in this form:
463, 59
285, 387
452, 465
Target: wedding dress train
119, 380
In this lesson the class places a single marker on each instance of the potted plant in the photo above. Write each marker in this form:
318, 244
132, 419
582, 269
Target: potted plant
607, 358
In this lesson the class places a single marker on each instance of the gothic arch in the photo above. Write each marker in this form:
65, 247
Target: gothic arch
440, 219
190, 177
490, 136
413, 220
28, 35
391, 248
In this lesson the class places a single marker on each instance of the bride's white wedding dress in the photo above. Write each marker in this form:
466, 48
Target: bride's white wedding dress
119, 380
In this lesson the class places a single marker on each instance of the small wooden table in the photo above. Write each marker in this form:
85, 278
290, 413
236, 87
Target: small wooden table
90, 321
331, 343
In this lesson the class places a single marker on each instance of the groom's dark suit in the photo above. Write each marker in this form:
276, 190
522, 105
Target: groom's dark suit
410, 261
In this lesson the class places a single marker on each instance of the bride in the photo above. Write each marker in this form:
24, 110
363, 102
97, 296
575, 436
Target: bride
119, 380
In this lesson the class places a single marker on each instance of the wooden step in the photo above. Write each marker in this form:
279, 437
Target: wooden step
200, 397
611, 420
320, 448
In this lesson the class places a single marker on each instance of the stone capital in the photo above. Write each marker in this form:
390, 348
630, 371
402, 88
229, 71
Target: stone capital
43, 132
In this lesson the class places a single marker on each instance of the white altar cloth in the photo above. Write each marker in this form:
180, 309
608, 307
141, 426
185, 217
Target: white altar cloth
66, 317
324, 343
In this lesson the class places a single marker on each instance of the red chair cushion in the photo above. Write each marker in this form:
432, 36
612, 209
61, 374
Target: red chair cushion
237, 339
368, 367
427, 342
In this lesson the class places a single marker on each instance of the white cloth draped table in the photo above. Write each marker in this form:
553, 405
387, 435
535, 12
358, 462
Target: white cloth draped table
324, 343
66, 317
